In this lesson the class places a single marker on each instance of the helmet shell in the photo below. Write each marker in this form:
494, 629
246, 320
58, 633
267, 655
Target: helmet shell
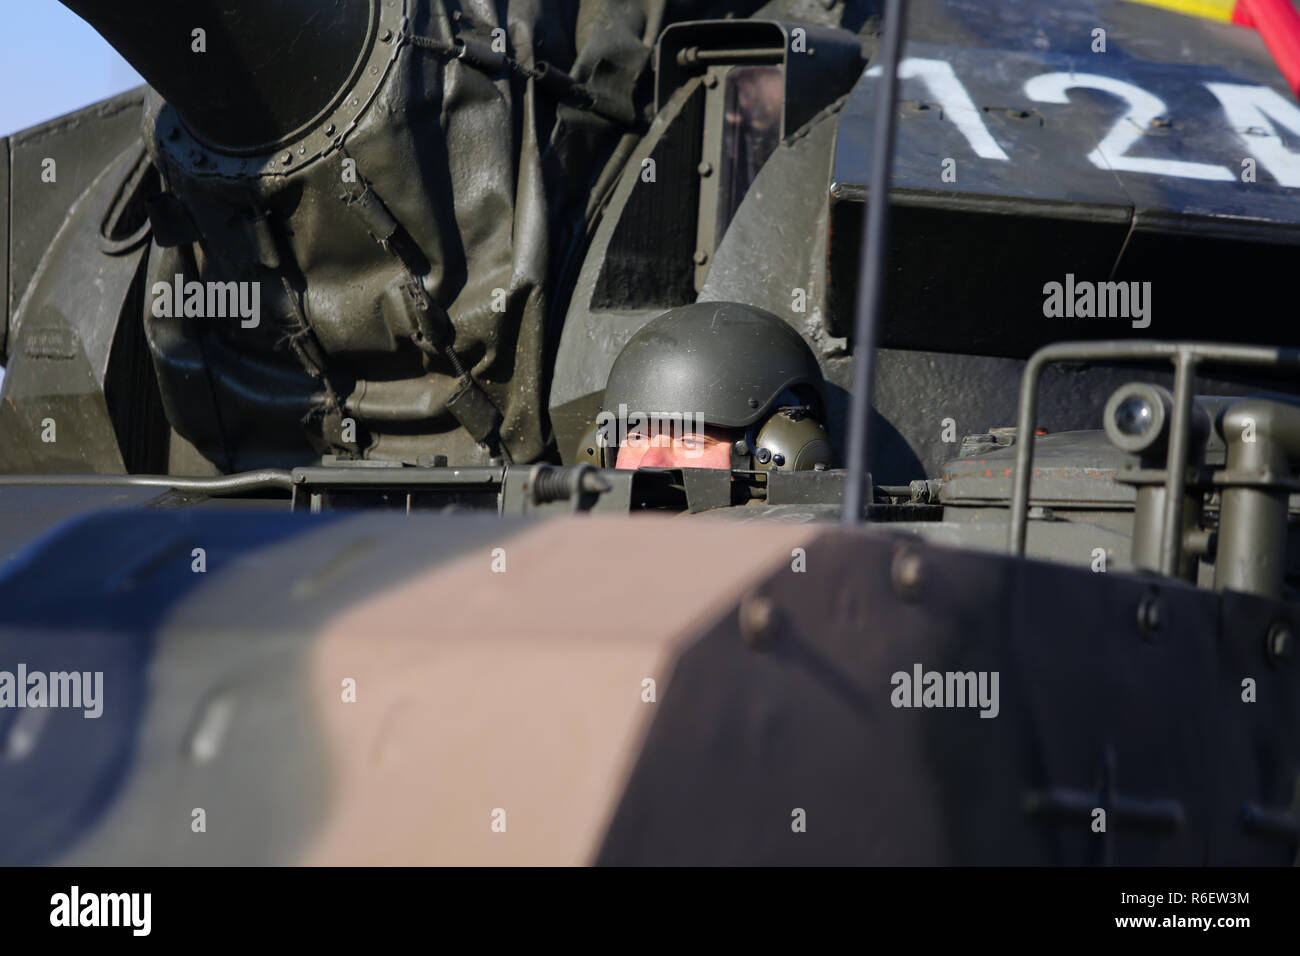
725, 362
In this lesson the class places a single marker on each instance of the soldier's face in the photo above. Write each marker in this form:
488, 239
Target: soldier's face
665, 448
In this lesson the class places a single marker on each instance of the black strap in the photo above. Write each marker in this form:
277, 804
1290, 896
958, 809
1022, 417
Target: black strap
432, 329
607, 94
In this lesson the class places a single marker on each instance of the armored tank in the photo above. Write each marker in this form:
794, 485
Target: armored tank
314, 543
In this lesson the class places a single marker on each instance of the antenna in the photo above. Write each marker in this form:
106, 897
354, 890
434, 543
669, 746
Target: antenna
871, 272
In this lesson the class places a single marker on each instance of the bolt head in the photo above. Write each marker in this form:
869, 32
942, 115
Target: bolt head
1281, 642
700, 257
757, 621
908, 573
1150, 616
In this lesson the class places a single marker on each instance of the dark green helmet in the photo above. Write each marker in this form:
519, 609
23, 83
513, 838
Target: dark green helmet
728, 365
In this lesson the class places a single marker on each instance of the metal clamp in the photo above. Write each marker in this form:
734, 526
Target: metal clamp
580, 485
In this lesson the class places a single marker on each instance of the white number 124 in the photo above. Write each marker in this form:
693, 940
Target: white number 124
1252, 112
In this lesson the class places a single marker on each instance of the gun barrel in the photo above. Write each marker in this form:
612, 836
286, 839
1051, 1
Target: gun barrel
259, 71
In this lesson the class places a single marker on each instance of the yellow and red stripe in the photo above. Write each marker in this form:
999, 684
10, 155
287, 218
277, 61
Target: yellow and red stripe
1225, 10
1277, 21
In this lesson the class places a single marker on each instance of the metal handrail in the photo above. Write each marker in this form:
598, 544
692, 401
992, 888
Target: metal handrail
1186, 358
214, 486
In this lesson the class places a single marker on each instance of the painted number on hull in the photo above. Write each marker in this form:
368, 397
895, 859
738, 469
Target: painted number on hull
941, 80
1253, 113
1143, 107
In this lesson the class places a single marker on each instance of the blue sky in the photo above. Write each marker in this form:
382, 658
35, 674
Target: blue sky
51, 63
